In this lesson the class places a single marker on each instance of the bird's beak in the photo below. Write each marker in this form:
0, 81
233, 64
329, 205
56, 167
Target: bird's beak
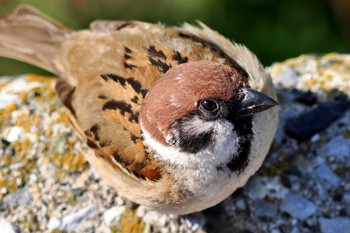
253, 102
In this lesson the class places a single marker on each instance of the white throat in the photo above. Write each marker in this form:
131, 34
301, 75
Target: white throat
203, 167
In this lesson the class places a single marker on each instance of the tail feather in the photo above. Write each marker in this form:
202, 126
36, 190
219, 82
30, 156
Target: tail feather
29, 36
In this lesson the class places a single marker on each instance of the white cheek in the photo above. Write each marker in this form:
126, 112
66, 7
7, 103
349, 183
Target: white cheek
226, 143
199, 126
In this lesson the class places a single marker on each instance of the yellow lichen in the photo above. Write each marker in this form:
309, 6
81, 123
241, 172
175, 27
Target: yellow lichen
129, 223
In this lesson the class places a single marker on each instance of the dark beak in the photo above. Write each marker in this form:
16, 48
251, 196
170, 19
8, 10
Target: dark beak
253, 102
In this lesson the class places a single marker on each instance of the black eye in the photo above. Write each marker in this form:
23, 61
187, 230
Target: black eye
209, 105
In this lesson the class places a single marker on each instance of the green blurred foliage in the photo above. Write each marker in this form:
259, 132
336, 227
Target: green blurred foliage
274, 30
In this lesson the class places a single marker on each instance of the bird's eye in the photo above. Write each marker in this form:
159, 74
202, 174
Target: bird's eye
209, 105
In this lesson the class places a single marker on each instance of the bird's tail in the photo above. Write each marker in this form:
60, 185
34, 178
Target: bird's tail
29, 36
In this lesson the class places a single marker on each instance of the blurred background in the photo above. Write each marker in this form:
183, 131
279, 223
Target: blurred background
274, 30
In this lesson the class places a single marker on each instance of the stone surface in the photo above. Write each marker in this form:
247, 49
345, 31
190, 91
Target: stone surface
113, 214
7, 99
311, 122
72, 221
263, 208
324, 172
298, 206
21, 197
338, 147
335, 225
6, 226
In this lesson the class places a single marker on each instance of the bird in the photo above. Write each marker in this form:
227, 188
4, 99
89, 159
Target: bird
178, 117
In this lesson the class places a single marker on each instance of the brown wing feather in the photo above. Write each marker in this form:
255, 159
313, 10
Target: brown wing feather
30, 36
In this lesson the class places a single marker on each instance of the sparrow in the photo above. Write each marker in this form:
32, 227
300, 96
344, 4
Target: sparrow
178, 117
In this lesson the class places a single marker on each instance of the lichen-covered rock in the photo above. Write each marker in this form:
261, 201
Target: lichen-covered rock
303, 185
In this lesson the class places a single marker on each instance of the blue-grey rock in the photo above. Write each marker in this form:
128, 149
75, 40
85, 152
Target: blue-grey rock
307, 98
20, 197
72, 221
260, 187
324, 172
263, 208
338, 147
298, 206
275, 231
321, 190
346, 197
335, 225
316, 120
295, 230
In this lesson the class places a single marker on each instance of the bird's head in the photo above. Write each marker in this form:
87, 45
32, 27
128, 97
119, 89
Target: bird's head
200, 106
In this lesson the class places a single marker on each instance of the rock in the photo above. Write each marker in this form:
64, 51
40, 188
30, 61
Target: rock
297, 206
307, 124
275, 231
152, 216
20, 197
6, 226
295, 230
308, 98
113, 214
324, 172
194, 222
6, 99
260, 187
15, 134
335, 225
72, 221
240, 204
53, 224
4, 143
288, 77
20, 84
346, 197
338, 147
263, 208
80, 182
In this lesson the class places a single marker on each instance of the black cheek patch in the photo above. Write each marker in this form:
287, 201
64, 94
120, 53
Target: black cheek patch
195, 143
187, 140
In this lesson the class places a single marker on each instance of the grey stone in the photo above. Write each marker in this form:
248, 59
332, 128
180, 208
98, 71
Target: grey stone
240, 204
298, 206
335, 225
260, 187
295, 230
72, 221
346, 197
263, 208
54, 223
113, 214
275, 231
15, 133
6, 226
288, 77
338, 147
20, 197
324, 172
6, 99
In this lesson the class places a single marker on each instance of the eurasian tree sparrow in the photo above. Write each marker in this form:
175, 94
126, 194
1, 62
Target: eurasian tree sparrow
178, 117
